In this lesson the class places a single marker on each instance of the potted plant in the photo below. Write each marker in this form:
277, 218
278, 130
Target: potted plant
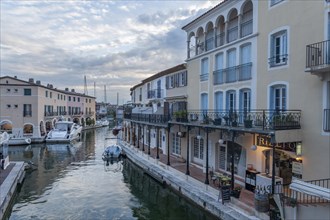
236, 192
217, 121
248, 122
181, 116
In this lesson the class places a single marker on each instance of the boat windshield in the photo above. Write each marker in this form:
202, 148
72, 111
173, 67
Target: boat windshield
61, 127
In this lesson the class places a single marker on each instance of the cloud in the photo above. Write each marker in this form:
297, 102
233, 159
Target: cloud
115, 43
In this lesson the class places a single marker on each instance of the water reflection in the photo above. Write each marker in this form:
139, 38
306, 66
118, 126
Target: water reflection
158, 202
73, 182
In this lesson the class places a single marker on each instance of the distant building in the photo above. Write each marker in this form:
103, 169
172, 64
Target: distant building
30, 109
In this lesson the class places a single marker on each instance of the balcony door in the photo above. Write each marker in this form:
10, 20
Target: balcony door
159, 89
204, 104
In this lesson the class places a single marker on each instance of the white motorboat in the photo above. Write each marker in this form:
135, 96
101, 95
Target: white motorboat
19, 141
64, 132
4, 138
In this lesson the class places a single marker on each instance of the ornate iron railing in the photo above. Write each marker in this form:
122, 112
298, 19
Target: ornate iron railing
252, 119
318, 54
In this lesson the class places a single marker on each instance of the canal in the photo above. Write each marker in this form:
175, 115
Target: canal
73, 182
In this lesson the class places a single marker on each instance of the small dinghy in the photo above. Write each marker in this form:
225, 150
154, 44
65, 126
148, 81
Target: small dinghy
112, 152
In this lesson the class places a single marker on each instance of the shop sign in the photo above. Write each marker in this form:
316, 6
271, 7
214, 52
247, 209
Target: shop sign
297, 168
263, 141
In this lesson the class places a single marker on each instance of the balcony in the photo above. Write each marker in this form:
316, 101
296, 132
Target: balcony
239, 119
148, 118
233, 74
204, 77
258, 119
155, 94
318, 57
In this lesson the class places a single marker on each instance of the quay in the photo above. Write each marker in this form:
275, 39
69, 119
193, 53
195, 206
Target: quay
10, 179
206, 196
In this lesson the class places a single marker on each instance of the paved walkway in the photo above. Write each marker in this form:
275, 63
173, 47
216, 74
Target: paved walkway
242, 208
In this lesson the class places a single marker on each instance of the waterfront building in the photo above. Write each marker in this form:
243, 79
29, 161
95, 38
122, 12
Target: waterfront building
30, 109
153, 101
258, 97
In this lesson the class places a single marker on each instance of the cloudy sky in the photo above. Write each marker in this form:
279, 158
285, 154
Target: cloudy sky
114, 43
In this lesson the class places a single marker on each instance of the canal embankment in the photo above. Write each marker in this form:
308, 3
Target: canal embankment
11, 177
201, 194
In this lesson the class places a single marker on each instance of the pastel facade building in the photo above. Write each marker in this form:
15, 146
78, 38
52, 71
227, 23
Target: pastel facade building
30, 109
256, 102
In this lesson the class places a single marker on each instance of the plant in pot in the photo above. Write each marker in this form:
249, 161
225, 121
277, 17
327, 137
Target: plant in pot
236, 192
248, 122
180, 116
217, 120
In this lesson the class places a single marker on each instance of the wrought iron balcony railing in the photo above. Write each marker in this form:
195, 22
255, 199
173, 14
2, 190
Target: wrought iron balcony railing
233, 74
318, 54
257, 119
149, 118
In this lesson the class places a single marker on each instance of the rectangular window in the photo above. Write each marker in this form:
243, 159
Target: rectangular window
46, 94
78, 99
278, 55
222, 157
198, 148
27, 110
69, 98
176, 143
204, 69
50, 95
27, 92
140, 95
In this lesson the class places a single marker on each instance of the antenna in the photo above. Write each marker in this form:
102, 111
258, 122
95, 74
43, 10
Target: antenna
94, 90
105, 94
85, 86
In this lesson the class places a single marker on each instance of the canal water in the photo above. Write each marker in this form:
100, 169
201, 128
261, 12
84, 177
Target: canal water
73, 182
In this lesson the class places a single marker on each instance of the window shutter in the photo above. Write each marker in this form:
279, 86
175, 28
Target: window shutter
167, 81
184, 78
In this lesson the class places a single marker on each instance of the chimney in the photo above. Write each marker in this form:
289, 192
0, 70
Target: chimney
31, 80
51, 86
67, 89
72, 90
38, 82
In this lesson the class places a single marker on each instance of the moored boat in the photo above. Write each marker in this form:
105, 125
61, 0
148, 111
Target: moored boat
19, 141
65, 132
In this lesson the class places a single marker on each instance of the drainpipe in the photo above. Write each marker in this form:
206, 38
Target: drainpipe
187, 169
207, 157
